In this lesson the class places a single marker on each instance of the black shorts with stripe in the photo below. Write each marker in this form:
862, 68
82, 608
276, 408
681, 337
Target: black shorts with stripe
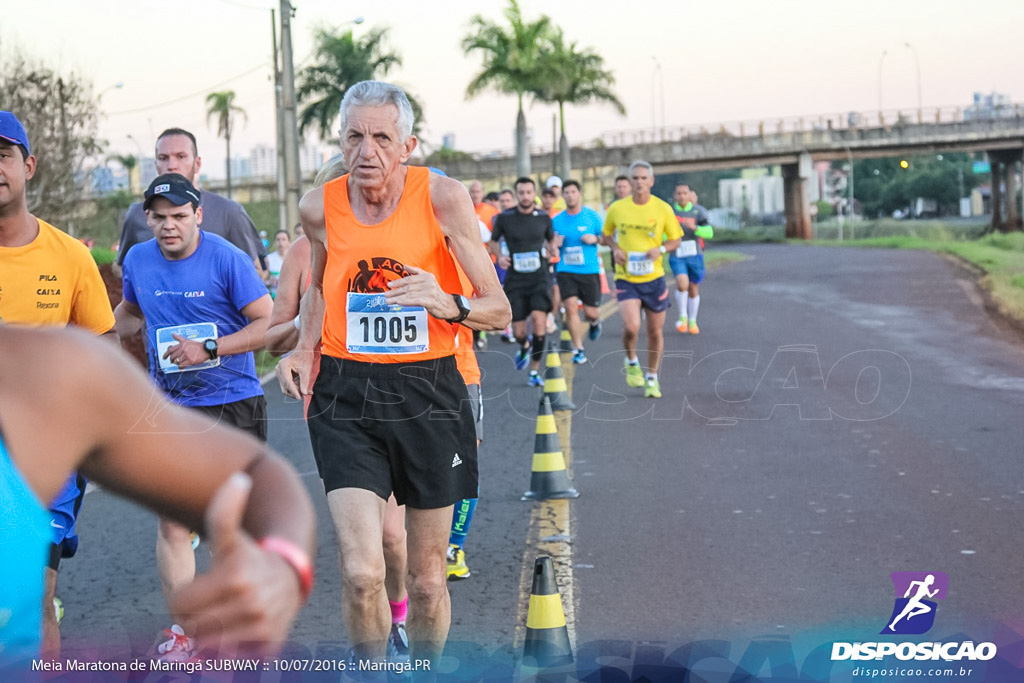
402, 428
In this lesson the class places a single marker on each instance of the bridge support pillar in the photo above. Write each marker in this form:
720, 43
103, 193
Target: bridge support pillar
1004, 178
996, 171
794, 188
1012, 217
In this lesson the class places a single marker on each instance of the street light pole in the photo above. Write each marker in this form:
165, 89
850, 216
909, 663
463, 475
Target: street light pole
293, 175
853, 205
881, 60
282, 190
116, 86
657, 82
917, 66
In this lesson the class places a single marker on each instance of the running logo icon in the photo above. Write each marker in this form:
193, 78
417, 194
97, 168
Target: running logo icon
914, 610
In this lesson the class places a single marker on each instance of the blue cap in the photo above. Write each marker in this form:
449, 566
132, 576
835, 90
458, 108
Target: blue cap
173, 187
12, 130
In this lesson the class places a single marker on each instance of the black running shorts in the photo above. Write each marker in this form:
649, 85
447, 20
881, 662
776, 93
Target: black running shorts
249, 415
476, 403
402, 428
526, 295
584, 286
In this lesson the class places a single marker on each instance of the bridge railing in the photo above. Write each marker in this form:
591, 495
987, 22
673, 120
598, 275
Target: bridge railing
790, 128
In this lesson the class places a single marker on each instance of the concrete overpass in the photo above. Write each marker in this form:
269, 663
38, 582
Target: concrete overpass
794, 144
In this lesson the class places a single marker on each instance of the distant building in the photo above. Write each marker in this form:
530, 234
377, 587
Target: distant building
262, 161
147, 171
241, 168
106, 179
756, 197
991, 106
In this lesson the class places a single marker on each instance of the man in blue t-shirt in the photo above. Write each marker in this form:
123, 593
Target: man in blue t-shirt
206, 310
579, 266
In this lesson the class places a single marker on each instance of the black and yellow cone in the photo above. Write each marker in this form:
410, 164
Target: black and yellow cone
555, 387
549, 478
565, 342
547, 638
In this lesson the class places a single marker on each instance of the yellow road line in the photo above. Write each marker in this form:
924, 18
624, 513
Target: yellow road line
550, 533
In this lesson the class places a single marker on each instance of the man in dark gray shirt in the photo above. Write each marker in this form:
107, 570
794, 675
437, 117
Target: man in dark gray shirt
176, 152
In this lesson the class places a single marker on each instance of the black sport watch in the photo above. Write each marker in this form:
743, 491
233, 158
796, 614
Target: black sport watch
463, 304
210, 346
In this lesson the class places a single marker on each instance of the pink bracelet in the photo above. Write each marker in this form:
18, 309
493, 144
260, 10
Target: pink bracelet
294, 556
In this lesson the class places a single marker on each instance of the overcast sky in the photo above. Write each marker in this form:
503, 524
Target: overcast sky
699, 61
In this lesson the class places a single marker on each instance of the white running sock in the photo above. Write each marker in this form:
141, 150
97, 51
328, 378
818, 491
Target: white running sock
692, 304
681, 303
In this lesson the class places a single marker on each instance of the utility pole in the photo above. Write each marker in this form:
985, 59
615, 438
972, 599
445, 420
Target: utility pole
290, 133
282, 204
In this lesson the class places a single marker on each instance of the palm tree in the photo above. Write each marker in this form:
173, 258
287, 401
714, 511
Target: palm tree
343, 61
222, 106
571, 76
128, 163
512, 56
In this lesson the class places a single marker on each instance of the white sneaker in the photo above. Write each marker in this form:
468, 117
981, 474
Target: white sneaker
178, 647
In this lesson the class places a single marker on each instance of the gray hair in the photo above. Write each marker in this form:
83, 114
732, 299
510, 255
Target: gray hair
332, 168
640, 164
379, 94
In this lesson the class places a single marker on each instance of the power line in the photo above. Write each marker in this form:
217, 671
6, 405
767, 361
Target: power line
244, 6
190, 95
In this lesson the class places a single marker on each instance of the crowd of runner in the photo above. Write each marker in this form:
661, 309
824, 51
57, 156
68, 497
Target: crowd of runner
396, 277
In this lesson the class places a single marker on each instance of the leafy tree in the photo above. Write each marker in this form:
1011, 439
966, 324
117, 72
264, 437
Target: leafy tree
571, 76
883, 186
447, 155
341, 62
221, 106
512, 56
60, 114
128, 162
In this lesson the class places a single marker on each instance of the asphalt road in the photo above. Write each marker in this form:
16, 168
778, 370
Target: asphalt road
844, 414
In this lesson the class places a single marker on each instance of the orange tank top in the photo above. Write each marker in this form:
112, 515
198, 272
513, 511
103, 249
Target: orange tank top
465, 355
362, 259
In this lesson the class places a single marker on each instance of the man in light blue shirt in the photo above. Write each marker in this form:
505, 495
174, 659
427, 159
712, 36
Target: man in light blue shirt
579, 267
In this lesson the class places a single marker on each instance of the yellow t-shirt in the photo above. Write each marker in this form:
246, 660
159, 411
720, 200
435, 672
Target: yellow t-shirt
53, 280
638, 229
557, 208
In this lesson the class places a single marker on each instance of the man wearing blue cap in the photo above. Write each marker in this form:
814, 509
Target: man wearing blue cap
206, 310
47, 277
176, 152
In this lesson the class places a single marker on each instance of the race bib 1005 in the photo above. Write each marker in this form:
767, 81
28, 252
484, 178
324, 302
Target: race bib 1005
374, 326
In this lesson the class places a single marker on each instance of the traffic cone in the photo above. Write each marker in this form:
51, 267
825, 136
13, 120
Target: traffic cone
555, 387
548, 478
604, 279
547, 638
565, 341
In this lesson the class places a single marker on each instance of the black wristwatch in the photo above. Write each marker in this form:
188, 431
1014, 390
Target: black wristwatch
463, 304
210, 346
